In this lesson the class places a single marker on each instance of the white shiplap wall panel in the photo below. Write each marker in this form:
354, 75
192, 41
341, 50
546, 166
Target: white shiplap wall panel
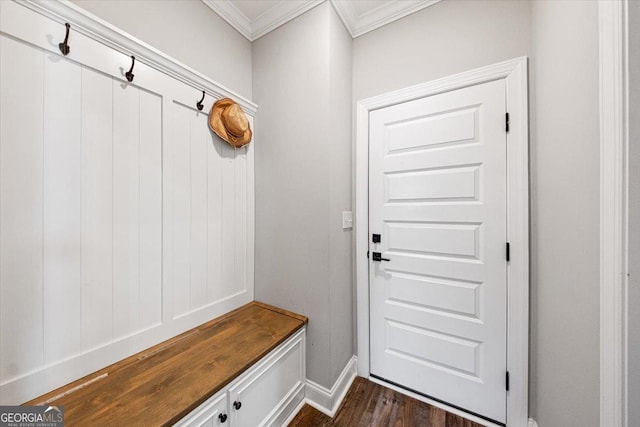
214, 221
21, 156
228, 220
181, 250
124, 220
240, 195
199, 225
62, 208
97, 209
150, 169
126, 208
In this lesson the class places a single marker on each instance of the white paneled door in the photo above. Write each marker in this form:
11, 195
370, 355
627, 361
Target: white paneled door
438, 270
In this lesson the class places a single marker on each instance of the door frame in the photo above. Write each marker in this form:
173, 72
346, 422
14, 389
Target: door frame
614, 210
514, 72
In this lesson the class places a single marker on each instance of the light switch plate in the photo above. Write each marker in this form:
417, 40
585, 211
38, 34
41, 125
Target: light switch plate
347, 220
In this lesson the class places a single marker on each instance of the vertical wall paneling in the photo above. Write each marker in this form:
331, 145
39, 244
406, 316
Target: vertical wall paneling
214, 211
240, 257
228, 219
181, 210
150, 169
97, 209
126, 208
250, 214
62, 208
21, 97
124, 220
167, 208
199, 207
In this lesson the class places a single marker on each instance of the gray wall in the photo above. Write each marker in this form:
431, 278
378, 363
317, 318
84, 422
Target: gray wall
634, 212
565, 212
447, 38
302, 83
561, 38
186, 30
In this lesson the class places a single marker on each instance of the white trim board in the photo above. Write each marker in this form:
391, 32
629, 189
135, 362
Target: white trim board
515, 74
328, 401
613, 211
97, 29
282, 12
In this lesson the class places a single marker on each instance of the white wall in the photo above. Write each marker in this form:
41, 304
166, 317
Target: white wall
188, 31
633, 338
561, 38
302, 83
565, 212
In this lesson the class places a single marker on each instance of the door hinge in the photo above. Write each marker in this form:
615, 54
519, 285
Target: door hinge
506, 122
507, 381
508, 250
367, 254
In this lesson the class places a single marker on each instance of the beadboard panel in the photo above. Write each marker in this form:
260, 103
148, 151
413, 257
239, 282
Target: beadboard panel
21, 199
97, 209
124, 219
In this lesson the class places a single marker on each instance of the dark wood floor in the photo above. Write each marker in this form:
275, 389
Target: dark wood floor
370, 404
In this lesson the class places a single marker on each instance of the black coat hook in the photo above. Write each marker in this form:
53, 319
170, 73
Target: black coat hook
129, 75
199, 104
64, 46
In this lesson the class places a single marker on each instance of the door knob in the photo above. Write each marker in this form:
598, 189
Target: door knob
237, 405
377, 256
222, 418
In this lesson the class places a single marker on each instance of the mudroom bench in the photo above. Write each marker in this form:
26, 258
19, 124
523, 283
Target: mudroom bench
245, 368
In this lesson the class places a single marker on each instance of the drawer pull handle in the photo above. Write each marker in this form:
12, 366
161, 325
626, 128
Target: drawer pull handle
222, 418
237, 405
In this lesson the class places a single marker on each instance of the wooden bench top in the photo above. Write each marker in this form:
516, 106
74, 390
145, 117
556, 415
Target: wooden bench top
162, 384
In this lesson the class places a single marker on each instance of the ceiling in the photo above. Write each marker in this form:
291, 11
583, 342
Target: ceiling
255, 18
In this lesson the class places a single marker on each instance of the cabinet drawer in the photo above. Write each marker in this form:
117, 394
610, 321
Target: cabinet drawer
265, 390
212, 413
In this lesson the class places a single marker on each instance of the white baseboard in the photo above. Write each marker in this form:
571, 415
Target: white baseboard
532, 423
328, 401
295, 411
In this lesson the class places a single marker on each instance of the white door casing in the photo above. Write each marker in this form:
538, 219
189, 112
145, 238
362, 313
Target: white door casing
513, 74
437, 196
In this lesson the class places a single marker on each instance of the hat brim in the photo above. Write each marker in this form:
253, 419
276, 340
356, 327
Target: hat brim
216, 124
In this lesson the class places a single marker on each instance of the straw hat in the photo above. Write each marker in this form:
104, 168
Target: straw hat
229, 122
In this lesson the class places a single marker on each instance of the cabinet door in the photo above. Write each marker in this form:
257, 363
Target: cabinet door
257, 398
212, 413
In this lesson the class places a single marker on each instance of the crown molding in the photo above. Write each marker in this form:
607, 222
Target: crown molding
280, 14
286, 10
384, 14
346, 14
230, 13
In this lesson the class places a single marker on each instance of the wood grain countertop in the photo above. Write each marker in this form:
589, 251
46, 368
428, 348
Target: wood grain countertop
162, 384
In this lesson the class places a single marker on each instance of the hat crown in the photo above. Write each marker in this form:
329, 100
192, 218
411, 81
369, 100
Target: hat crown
235, 121
229, 122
